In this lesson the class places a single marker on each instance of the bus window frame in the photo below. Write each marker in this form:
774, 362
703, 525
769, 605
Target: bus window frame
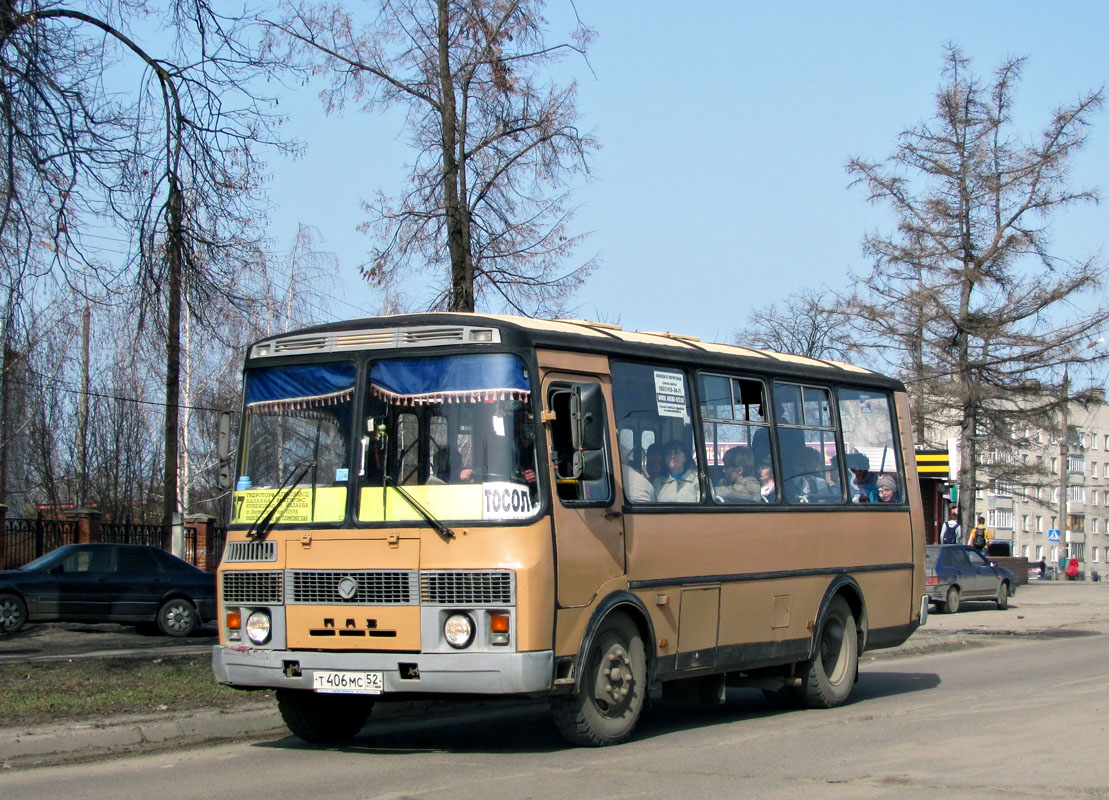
768, 422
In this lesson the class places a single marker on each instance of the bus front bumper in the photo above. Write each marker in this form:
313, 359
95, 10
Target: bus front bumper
440, 673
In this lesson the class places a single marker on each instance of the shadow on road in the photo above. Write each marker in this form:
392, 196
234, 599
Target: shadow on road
526, 727
885, 684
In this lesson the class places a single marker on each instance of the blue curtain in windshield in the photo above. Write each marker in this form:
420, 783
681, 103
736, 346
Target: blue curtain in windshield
451, 379
299, 387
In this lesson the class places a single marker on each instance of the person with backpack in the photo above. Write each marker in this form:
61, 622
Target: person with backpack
952, 531
979, 536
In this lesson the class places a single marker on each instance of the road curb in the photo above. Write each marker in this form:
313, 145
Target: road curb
22, 744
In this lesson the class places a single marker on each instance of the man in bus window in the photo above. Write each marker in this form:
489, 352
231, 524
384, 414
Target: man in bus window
739, 484
864, 483
680, 484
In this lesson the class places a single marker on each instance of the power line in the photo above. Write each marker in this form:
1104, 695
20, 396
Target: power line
61, 386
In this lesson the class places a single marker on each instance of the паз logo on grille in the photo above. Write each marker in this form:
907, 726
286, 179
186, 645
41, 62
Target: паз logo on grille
348, 588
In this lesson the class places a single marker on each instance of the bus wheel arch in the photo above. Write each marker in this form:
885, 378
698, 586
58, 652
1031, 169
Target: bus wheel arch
839, 636
613, 673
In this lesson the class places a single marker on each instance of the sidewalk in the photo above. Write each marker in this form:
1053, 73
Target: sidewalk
1039, 610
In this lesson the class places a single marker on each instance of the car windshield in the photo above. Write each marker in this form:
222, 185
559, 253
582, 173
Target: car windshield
455, 433
296, 437
48, 560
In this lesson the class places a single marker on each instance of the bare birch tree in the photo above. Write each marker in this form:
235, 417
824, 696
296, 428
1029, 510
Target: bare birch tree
495, 143
967, 297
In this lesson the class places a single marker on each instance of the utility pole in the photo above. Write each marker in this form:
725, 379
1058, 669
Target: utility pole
1064, 456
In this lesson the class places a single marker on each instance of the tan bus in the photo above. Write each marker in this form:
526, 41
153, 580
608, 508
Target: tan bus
458, 504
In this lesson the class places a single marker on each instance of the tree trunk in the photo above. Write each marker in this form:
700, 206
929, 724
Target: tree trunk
174, 256
462, 276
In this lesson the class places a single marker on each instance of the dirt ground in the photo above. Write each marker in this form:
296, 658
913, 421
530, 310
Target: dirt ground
46, 641
1041, 609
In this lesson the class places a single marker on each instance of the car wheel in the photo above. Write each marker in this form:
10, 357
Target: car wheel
1003, 596
828, 678
13, 613
951, 606
177, 617
613, 688
323, 718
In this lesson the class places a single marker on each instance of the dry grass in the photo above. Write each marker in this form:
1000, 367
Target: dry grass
40, 693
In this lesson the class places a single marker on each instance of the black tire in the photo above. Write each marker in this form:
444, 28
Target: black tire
13, 613
613, 687
1003, 596
177, 617
828, 678
951, 605
323, 718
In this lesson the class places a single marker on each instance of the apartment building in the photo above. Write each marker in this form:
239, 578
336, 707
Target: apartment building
1026, 513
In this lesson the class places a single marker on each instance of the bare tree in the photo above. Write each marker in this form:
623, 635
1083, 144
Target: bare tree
806, 323
967, 297
173, 164
495, 145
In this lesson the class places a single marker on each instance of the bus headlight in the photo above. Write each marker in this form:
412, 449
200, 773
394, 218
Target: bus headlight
458, 630
258, 627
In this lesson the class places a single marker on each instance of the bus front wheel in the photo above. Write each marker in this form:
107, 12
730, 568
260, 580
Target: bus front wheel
827, 679
323, 718
613, 686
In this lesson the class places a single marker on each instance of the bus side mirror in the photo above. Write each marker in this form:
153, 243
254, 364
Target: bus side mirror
223, 451
589, 465
587, 416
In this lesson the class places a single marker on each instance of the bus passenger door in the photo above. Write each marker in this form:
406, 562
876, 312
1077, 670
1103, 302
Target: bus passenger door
589, 528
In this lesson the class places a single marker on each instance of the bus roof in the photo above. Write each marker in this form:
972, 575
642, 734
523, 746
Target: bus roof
458, 328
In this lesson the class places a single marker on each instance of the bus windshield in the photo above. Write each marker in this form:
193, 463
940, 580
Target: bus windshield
456, 433
296, 437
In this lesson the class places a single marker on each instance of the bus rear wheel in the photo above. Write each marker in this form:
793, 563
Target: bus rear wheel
827, 679
323, 718
613, 686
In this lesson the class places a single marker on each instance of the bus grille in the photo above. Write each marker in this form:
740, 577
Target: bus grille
253, 587
370, 587
460, 588
242, 552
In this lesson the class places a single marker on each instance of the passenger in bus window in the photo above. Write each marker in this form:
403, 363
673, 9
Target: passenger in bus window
653, 468
767, 489
887, 490
864, 483
637, 489
806, 482
739, 484
680, 484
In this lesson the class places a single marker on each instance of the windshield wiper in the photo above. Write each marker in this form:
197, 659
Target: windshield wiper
264, 520
439, 527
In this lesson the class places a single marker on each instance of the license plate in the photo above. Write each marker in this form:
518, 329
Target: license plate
348, 682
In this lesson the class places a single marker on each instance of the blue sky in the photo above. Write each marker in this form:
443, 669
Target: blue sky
725, 126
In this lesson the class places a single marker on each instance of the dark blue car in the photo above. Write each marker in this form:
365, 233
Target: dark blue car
128, 583
957, 572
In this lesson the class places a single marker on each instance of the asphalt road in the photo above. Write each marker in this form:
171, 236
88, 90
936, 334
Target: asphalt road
1018, 719
984, 703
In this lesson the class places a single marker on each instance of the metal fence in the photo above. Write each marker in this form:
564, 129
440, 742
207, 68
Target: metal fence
24, 540
128, 533
27, 539
214, 552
